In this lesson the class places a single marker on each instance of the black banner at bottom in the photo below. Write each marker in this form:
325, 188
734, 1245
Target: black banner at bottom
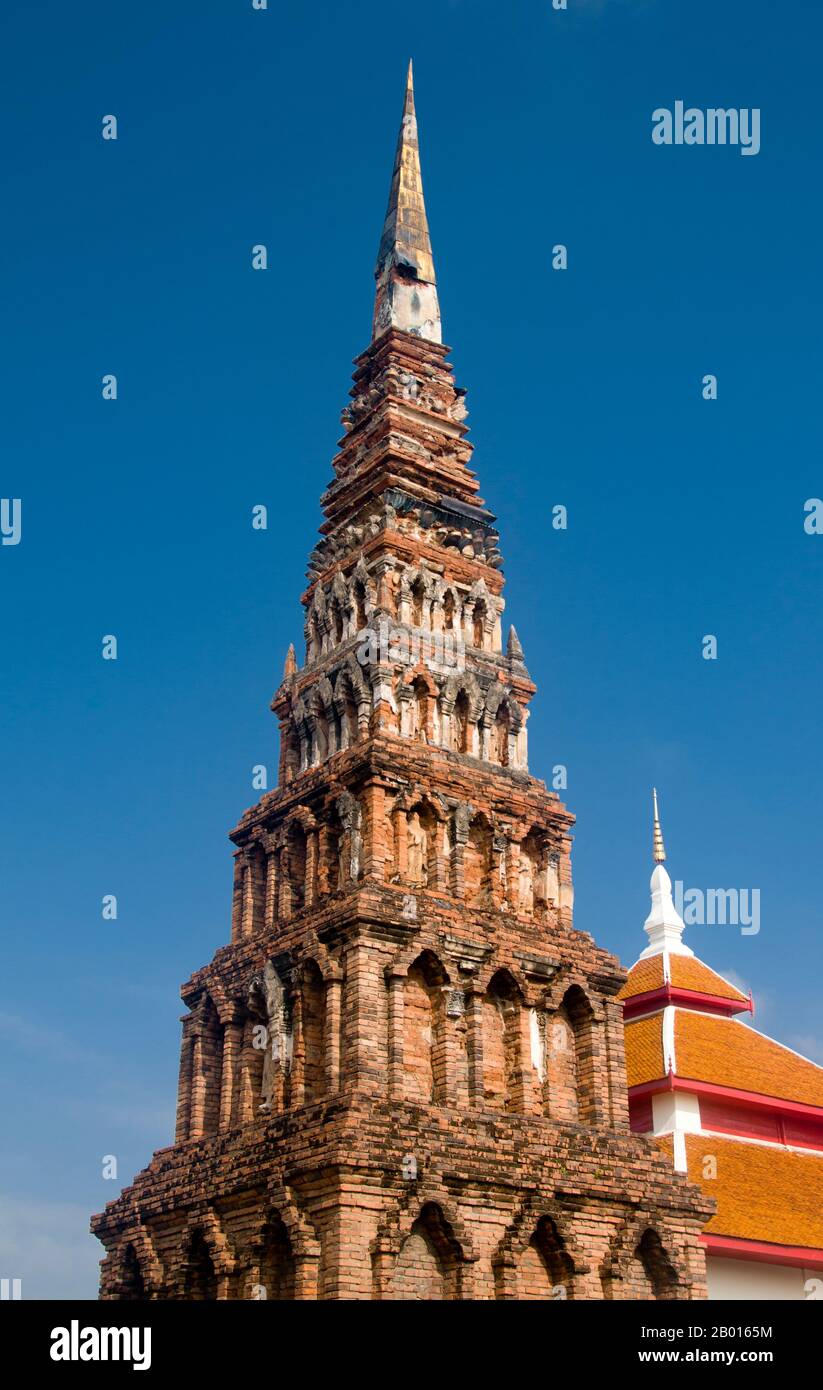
66, 1339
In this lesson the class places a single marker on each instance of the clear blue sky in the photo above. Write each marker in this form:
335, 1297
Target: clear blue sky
685, 516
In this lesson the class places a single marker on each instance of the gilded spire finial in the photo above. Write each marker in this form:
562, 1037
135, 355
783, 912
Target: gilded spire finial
658, 849
406, 290
664, 926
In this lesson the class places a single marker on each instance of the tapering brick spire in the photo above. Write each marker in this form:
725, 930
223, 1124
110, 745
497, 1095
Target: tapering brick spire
406, 295
402, 933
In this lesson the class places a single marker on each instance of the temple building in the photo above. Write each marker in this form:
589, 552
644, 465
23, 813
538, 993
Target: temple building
404, 1075
742, 1115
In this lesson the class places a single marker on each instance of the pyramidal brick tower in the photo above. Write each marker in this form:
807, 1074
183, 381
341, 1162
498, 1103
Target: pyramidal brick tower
404, 1077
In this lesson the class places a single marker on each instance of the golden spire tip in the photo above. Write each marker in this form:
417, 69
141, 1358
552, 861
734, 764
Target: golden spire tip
658, 849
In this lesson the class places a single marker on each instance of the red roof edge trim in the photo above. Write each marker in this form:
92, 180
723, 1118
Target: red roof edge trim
709, 1088
689, 998
731, 1247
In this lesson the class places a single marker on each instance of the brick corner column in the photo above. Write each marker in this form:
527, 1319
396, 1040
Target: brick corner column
237, 897
615, 1082
396, 981
375, 837
333, 1023
474, 1042
183, 1124
232, 1040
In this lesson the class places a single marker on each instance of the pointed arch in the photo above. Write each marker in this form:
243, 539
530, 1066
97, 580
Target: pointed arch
463, 681
418, 596
424, 1056
360, 596
252, 1063
539, 1256
316, 626
502, 1065
131, 1285
531, 896
313, 636
320, 716
352, 699
268, 1040
304, 733
429, 1265
421, 830
571, 1072
502, 735
658, 1274
461, 724
497, 695
339, 607
461, 704
345, 704
477, 862
545, 1270
640, 1264
479, 617
421, 711
273, 1261
313, 994
200, 1273
419, 690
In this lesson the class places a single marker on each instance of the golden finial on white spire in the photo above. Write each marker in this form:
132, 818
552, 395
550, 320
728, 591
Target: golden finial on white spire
664, 926
658, 849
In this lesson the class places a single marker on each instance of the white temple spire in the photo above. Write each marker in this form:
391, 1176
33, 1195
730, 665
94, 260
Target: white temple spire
664, 926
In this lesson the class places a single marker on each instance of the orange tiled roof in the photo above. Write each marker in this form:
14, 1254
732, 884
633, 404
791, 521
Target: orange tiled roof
689, 973
722, 1052
727, 1053
762, 1193
685, 972
644, 1050
643, 976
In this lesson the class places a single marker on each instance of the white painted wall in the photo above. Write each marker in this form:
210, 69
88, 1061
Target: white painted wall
676, 1113
754, 1279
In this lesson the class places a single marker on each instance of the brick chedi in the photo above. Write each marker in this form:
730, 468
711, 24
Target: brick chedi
404, 1077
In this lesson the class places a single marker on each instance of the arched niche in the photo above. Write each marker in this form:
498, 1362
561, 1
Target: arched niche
199, 1273
424, 1057
545, 1270
131, 1285
502, 1004
313, 998
429, 1263
571, 1064
477, 862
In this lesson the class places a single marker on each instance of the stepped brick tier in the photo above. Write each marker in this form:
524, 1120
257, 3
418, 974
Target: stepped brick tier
404, 1077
